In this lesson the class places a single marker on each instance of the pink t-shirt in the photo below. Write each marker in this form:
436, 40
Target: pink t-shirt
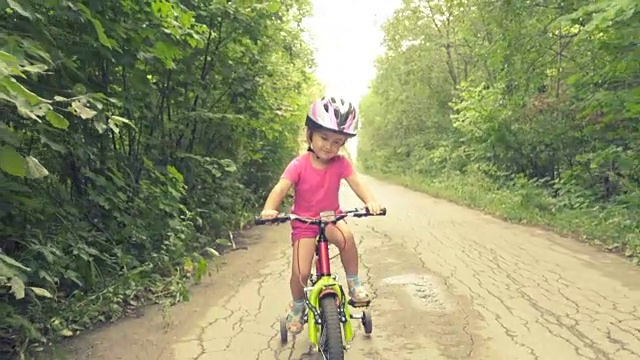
316, 190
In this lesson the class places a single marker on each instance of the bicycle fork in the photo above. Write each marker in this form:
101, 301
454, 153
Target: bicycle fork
313, 294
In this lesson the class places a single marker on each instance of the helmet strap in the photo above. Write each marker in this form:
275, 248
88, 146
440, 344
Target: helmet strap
309, 149
309, 139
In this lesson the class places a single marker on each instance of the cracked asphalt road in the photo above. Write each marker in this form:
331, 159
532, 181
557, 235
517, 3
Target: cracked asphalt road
451, 283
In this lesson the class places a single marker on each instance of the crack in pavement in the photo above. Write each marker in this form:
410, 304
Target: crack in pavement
529, 282
268, 347
460, 319
482, 289
466, 322
558, 320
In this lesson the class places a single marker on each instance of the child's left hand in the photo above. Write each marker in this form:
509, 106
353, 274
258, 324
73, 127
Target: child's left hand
374, 208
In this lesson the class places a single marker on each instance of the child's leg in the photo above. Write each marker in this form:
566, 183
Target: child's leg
303, 251
301, 259
342, 237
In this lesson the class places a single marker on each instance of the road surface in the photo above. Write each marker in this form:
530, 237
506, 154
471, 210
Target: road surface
451, 283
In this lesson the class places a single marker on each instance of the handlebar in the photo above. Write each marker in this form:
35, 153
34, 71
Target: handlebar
359, 212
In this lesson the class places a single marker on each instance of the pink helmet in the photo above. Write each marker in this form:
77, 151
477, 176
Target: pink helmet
334, 114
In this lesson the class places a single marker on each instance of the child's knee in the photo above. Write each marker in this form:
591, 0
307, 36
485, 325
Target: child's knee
340, 235
348, 235
349, 239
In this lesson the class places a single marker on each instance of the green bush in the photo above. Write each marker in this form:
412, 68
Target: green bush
134, 137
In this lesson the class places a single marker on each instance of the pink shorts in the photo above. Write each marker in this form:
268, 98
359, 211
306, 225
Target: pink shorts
300, 230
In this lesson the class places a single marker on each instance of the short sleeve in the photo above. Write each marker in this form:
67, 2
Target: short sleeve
347, 168
292, 171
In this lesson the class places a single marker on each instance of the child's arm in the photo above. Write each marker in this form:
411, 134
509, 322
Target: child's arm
363, 192
287, 180
277, 194
360, 189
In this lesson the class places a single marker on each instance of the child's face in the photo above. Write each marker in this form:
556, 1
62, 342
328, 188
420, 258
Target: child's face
327, 144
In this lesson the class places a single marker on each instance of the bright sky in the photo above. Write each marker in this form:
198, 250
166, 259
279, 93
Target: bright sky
347, 37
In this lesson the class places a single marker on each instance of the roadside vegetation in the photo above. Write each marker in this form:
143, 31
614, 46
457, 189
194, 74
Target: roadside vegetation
134, 137
526, 110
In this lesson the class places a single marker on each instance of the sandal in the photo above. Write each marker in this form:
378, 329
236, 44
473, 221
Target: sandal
295, 319
357, 292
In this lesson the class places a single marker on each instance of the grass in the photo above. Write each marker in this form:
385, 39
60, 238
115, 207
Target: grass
612, 228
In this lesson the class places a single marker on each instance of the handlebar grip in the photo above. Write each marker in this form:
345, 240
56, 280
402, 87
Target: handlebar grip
382, 212
280, 219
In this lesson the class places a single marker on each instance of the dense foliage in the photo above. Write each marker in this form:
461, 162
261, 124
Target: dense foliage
134, 135
530, 109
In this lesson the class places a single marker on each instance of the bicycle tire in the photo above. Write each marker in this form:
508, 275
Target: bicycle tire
332, 347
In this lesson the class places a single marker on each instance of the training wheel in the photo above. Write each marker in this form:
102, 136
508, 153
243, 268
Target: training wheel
283, 330
366, 322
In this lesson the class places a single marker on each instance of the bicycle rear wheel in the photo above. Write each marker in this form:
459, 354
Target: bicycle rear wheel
331, 333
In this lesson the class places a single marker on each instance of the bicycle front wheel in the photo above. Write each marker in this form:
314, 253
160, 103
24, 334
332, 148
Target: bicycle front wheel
331, 333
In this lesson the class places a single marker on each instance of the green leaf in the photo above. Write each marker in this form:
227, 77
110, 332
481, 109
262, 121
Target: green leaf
104, 40
79, 89
101, 34
57, 120
8, 58
173, 171
65, 332
40, 292
223, 242
7, 259
26, 111
54, 145
82, 111
100, 126
118, 120
167, 52
8, 135
274, 6
6, 272
229, 165
34, 169
113, 126
17, 287
12, 162
212, 252
19, 9
20, 90
37, 68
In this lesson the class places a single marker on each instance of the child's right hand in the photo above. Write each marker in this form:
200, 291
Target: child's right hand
268, 214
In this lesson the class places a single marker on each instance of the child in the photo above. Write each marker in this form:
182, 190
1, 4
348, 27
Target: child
316, 177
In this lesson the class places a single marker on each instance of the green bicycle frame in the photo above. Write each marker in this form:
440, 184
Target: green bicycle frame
324, 285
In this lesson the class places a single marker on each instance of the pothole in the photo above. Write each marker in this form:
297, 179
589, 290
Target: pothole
424, 289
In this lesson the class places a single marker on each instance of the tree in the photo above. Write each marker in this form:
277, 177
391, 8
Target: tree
521, 93
134, 135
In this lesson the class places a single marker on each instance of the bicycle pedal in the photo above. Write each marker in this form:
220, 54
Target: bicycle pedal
359, 304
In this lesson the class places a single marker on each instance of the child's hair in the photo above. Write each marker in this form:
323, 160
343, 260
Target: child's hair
311, 127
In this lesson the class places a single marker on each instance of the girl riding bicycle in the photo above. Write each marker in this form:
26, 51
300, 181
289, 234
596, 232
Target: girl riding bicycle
316, 178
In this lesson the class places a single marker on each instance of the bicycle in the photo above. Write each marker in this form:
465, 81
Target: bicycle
326, 312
